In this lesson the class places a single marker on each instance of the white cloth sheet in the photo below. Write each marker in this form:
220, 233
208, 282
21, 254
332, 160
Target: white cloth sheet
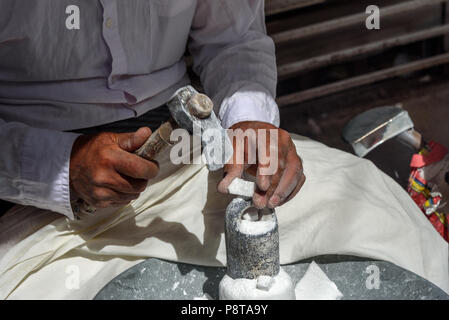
347, 206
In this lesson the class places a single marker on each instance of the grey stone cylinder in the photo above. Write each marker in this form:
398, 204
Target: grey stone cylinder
250, 255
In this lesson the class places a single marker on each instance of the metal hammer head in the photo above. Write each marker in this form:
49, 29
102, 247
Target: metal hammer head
193, 111
370, 129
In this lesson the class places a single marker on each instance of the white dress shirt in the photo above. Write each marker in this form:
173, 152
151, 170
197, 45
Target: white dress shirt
124, 60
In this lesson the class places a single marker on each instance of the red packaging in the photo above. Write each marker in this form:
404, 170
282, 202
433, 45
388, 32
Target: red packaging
428, 186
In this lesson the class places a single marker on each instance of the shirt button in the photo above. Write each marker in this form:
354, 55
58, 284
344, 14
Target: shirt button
109, 23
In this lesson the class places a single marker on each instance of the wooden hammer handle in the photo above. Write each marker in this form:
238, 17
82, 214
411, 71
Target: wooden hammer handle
158, 140
198, 105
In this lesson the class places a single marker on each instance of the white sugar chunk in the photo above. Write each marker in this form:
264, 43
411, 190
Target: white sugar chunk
315, 285
240, 187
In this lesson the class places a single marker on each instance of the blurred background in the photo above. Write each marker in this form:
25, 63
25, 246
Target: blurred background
331, 67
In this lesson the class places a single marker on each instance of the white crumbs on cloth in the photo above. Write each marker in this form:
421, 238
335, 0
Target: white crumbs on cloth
255, 227
315, 285
240, 187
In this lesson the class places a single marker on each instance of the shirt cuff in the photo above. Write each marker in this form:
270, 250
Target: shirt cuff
249, 106
45, 165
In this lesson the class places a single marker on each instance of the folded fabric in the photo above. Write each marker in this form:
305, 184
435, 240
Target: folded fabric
347, 206
315, 285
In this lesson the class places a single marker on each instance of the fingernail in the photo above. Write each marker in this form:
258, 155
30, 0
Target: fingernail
222, 187
258, 201
274, 201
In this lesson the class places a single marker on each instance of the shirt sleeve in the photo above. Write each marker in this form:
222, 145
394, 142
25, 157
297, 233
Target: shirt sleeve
235, 60
34, 167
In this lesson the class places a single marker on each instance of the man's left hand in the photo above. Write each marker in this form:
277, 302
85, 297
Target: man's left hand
287, 178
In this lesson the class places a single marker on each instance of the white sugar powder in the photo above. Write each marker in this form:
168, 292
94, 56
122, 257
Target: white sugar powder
255, 227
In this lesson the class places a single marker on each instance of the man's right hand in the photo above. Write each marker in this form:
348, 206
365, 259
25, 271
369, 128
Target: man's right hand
105, 172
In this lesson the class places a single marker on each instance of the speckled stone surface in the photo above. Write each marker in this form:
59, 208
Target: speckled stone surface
162, 280
249, 256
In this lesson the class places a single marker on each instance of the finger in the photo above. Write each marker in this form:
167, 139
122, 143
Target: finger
134, 166
263, 181
104, 197
106, 194
267, 165
260, 198
290, 179
232, 171
124, 184
295, 192
132, 141
137, 185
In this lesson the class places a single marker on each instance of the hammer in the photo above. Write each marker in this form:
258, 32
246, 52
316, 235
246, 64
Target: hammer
192, 111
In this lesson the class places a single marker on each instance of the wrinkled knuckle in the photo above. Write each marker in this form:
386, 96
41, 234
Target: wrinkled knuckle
100, 178
259, 202
105, 157
99, 195
96, 196
102, 204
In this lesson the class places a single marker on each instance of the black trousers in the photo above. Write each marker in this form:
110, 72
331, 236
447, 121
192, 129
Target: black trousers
152, 119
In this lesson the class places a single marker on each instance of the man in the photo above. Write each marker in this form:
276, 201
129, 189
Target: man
112, 74
120, 60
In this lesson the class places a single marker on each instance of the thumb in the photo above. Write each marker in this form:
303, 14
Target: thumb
133, 140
